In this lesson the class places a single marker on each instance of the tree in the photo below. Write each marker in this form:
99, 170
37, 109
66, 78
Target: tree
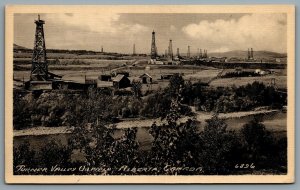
174, 144
257, 140
137, 88
54, 153
23, 155
176, 82
218, 152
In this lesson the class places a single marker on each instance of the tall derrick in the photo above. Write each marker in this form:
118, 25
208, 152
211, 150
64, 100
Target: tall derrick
189, 52
170, 50
248, 54
39, 69
153, 47
201, 56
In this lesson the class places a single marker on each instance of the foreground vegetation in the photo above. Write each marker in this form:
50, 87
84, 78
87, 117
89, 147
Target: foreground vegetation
177, 148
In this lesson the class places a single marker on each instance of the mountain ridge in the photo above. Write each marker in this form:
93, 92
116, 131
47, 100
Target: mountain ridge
243, 54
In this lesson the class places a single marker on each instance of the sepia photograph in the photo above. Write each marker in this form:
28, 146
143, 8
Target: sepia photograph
149, 94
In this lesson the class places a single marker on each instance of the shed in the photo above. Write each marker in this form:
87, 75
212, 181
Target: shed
126, 74
146, 78
105, 77
121, 81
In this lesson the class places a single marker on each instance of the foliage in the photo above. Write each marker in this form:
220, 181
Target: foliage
260, 145
176, 82
54, 153
22, 155
232, 99
91, 114
219, 147
137, 88
240, 74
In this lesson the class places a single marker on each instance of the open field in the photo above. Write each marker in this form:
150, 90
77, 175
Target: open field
98, 55
95, 68
281, 81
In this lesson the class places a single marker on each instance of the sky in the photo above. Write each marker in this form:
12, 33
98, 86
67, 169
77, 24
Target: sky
118, 32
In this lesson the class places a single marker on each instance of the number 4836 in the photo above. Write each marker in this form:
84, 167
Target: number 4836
245, 166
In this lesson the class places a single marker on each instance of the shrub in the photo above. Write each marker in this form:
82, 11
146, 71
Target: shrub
22, 155
218, 153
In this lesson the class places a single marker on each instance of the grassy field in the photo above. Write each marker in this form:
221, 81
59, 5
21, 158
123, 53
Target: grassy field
73, 56
94, 68
281, 81
76, 66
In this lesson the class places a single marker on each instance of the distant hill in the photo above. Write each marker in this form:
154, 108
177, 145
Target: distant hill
17, 47
243, 54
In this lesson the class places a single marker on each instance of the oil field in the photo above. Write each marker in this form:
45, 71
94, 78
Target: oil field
112, 113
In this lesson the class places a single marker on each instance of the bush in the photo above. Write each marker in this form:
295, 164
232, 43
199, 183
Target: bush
219, 152
54, 153
22, 155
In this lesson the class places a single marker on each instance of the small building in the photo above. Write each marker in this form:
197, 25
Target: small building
238, 70
261, 72
126, 74
105, 77
278, 60
159, 63
121, 81
146, 78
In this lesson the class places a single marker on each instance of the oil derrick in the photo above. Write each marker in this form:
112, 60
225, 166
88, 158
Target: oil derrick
170, 50
177, 53
204, 53
189, 52
252, 53
248, 54
153, 47
201, 56
39, 69
101, 49
133, 53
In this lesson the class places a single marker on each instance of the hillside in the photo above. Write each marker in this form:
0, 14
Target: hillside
243, 54
17, 47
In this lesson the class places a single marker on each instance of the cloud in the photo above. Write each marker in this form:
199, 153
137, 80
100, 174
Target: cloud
260, 31
91, 31
101, 23
172, 28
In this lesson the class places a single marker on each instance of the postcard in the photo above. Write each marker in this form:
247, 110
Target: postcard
160, 94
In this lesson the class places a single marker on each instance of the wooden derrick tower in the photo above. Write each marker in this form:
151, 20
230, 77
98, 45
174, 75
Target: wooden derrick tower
39, 69
153, 47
